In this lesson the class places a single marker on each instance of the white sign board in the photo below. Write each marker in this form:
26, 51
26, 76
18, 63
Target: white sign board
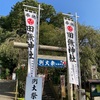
71, 51
13, 76
33, 88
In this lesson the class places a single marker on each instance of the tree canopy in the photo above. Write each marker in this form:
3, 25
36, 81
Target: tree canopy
51, 33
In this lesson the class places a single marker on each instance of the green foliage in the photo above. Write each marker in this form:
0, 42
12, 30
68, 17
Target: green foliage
20, 98
8, 56
89, 42
16, 17
47, 12
4, 22
51, 33
53, 36
57, 20
7, 72
4, 35
16, 20
21, 76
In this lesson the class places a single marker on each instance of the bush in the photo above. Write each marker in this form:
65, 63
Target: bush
20, 98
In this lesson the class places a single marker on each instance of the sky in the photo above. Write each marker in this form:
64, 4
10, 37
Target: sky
87, 10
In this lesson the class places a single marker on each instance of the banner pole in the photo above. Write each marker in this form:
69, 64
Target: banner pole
33, 83
70, 90
78, 75
38, 35
78, 59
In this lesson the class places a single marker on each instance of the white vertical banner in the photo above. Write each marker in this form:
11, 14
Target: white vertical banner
31, 29
71, 51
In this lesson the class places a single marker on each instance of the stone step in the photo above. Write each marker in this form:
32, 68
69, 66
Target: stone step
7, 89
48, 95
3, 97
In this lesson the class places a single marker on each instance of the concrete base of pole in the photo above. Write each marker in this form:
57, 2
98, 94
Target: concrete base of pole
70, 91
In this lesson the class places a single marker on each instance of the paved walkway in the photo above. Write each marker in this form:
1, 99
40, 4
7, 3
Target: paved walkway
97, 98
7, 89
3, 97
